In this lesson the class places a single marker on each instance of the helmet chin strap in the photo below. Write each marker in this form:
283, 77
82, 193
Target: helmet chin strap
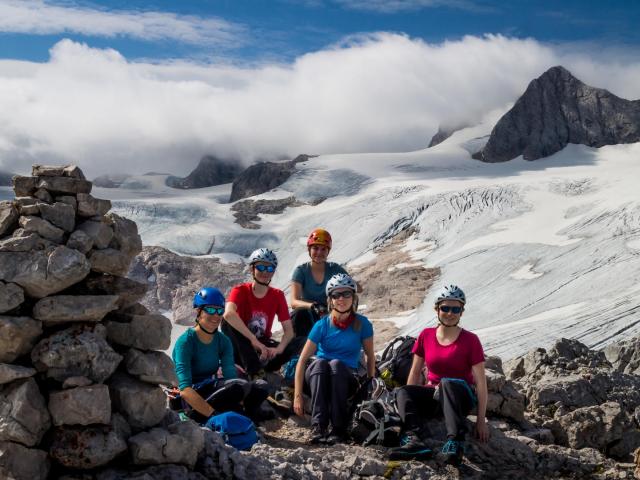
261, 283
204, 329
340, 311
448, 326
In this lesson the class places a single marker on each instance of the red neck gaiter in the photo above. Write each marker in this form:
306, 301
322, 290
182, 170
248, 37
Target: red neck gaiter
343, 325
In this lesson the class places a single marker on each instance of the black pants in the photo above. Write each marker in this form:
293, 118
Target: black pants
236, 395
302, 320
454, 399
246, 356
330, 383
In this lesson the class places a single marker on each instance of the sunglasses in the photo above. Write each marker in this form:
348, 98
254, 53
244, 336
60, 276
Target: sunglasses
447, 309
265, 268
345, 294
213, 310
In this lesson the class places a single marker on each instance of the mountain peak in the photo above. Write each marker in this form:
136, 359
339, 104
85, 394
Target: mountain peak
557, 109
209, 172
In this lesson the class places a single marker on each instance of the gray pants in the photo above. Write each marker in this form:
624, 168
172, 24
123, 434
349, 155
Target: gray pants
330, 383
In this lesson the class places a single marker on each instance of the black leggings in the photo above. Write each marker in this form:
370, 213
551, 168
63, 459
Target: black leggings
453, 398
246, 356
236, 395
330, 383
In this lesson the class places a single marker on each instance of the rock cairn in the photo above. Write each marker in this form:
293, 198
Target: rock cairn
80, 362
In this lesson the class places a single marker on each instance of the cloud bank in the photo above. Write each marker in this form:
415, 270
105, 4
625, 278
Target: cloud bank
382, 92
42, 18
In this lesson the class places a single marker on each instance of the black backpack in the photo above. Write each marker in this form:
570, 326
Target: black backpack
395, 363
376, 420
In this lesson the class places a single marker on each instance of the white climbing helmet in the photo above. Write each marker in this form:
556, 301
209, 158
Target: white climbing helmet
263, 255
451, 292
340, 280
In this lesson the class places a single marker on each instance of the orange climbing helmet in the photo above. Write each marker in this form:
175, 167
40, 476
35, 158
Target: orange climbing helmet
319, 236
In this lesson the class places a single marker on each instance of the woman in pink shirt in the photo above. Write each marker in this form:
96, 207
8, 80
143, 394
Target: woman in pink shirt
456, 382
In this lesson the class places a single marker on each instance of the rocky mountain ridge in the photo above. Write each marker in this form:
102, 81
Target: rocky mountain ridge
209, 172
557, 109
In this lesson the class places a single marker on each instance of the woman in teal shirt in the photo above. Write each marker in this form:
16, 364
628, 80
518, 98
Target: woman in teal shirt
201, 354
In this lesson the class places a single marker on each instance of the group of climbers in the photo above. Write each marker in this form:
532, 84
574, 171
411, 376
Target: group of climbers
328, 338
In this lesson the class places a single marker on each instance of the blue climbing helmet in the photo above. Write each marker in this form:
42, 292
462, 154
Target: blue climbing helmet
208, 296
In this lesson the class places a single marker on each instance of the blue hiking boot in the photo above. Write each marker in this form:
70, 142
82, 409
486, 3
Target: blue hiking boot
453, 451
411, 446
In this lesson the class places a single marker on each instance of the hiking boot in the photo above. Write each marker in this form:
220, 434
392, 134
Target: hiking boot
337, 435
411, 446
318, 435
453, 451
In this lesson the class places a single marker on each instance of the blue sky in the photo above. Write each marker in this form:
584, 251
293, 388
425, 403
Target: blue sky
133, 86
246, 31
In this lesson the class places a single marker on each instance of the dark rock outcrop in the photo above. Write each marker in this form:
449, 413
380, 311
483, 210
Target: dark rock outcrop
558, 109
247, 212
173, 279
264, 176
443, 133
209, 172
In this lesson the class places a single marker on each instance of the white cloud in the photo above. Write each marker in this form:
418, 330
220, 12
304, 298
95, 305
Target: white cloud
383, 92
395, 6
41, 18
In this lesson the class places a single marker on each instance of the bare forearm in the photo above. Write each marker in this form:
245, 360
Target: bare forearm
299, 303
196, 402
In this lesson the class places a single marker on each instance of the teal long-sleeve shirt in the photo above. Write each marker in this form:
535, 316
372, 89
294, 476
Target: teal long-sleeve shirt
196, 361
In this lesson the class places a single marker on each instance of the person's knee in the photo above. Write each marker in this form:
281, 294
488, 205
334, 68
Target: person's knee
338, 367
319, 366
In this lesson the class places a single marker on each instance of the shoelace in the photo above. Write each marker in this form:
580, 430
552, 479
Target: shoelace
452, 446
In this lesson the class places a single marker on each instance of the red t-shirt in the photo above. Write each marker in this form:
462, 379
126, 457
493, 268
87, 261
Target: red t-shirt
450, 361
257, 313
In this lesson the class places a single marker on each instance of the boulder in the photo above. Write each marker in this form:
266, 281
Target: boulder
24, 186
27, 206
57, 171
129, 291
8, 218
151, 367
9, 373
625, 355
18, 335
23, 413
22, 241
146, 332
59, 214
110, 261
69, 200
43, 195
89, 206
42, 227
18, 462
86, 447
142, 405
156, 472
80, 241
180, 443
73, 382
80, 350
64, 185
99, 232
43, 273
81, 406
11, 295
125, 235
74, 308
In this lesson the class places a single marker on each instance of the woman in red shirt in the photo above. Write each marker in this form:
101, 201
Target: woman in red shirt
456, 382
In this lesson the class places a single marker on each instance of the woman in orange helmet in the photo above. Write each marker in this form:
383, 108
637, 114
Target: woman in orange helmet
309, 280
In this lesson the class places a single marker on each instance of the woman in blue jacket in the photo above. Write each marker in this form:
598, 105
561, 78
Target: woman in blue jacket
336, 340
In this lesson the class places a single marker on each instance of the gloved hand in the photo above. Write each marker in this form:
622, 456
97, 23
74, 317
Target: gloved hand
318, 309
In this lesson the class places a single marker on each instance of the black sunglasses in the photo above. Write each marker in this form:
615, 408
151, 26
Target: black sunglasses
447, 309
345, 294
265, 268
213, 310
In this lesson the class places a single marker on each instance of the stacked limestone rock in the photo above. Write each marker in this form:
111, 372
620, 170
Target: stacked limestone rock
80, 371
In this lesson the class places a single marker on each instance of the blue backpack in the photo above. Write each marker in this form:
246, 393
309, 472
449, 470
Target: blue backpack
237, 430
